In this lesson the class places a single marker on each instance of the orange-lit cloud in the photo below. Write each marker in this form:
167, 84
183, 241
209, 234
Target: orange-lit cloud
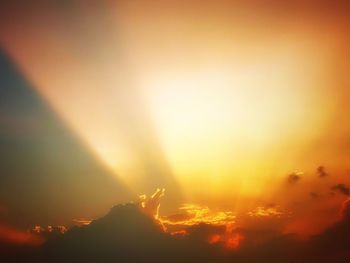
261, 211
82, 221
151, 205
209, 236
18, 237
191, 214
49, 230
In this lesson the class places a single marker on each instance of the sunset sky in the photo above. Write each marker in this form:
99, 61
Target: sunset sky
238, 106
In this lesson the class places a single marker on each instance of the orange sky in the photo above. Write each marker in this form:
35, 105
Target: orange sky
215, 101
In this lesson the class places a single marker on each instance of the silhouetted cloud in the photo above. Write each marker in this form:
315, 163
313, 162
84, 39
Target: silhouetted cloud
125, 234
294, 177
321, 171
18, 245
341, 188
333, 244
129, 233
346, 210
134, 232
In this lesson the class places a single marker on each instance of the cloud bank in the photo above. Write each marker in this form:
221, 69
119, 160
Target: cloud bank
135, 232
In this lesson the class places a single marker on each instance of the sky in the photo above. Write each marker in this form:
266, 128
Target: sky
236, 108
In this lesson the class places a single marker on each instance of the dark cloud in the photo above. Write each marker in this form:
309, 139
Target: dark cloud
321, 171
128, 233
125, 234
333, 244
342, 188
346, 210
293, 177
17, 245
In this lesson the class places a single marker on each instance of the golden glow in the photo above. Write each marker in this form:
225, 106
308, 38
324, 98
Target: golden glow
225, 104
196, 214
82, 221
216, 124
261, 211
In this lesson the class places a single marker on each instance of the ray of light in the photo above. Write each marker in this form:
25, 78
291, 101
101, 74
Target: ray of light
225, 104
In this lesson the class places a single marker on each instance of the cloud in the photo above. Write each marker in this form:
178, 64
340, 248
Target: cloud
82, 221
151, 205
192, 214
270, 211
321, 171
17, 245
342, 188
333, 244
49, 232
125, 234
12, 235
134, 233
294, 177
345, 211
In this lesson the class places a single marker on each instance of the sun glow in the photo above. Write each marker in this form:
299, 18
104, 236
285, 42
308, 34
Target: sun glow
206, 111
216, 124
